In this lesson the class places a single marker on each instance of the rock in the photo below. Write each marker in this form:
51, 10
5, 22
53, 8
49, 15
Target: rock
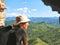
55, 4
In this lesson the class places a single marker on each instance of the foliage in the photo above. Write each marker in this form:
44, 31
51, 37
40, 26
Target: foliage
10, 22
47, 33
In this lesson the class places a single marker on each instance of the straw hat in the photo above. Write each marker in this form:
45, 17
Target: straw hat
21, 19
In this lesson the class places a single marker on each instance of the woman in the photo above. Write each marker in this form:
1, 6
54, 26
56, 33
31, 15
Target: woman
22, 23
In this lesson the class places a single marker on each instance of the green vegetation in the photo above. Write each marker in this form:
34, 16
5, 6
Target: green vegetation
43, 34
10, 22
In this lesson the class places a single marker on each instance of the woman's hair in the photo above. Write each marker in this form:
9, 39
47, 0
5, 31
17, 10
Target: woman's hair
18, 19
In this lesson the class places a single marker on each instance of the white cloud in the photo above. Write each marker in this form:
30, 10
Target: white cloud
29, 11
25, 9
34, 9
11, 14
19, 9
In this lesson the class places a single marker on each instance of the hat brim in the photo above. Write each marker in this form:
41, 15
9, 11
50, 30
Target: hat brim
23, 21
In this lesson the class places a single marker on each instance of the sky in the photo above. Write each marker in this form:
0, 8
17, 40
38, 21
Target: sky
31, 8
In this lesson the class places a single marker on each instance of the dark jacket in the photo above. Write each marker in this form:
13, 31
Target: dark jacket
11, 39
4, 32
17, 37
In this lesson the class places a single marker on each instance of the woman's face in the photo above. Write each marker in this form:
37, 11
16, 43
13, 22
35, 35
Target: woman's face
25, 25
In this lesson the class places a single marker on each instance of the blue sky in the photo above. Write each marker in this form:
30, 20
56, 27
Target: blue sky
31, 8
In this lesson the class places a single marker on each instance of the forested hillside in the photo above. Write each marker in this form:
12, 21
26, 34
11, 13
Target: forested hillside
42, 33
